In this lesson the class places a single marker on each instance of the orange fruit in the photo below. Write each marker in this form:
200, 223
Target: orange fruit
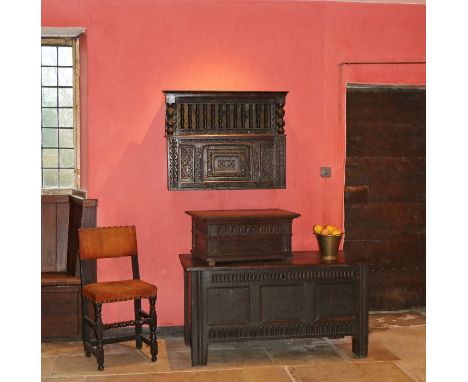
318, 229
331, 228
326, 231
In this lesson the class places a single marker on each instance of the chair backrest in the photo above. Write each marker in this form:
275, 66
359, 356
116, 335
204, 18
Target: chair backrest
105, 242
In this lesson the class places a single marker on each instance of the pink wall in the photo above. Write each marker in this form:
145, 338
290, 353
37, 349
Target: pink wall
136, 48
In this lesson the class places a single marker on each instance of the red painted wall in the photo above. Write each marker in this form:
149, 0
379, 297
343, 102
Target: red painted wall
133, 49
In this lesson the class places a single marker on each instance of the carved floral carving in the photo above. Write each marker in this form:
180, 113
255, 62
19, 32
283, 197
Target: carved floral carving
323, 328
283, 275
187, 163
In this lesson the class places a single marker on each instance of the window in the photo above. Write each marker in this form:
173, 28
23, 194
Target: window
60, 114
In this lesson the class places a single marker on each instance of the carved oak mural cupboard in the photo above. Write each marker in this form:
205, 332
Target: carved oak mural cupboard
225, 140
241, 280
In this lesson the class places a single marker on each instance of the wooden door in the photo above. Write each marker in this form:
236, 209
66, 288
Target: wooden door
385, 191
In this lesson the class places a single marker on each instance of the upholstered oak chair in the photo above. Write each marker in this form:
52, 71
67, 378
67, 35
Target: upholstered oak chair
110, 242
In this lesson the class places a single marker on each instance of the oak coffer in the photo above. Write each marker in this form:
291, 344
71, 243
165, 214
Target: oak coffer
297, 298
229, 235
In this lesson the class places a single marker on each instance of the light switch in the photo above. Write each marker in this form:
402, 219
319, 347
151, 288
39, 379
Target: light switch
325, 172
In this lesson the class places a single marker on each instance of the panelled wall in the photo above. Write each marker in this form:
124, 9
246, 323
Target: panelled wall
55, 211
134, 49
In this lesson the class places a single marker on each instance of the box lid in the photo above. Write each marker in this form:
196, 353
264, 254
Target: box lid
254, 214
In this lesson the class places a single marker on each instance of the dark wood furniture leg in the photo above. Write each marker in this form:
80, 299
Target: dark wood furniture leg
153, 325
138, 325
361, 339
85, 327
186, 309
199, 336
99, 330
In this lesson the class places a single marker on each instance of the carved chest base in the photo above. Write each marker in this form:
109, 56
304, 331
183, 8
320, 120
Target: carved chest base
301, 297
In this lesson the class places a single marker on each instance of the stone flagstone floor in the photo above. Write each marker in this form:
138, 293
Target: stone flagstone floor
397, 352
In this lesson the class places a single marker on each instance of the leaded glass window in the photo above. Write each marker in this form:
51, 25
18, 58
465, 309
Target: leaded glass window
58, 125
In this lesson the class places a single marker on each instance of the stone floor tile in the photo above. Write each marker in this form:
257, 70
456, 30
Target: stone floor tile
235, 355
396, 353
344, 340
359, 372
301, 355
232, 345
180, 360
221, 359
388, 320
287, 342
376, 352
61, 348
230, 358
267, 374
134, 362
126, 347
145, 351
47, 364
192, 376
415, 369
407, 343
76, 348
176, 344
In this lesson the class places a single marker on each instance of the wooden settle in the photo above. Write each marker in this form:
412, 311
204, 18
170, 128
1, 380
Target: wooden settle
62, 215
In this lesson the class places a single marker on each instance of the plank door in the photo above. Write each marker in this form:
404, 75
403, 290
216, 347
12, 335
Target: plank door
385, 191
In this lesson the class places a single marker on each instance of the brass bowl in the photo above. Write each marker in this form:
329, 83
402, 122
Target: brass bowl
328, 246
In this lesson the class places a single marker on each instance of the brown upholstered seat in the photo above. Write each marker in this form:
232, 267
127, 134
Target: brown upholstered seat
112, 242
113, 291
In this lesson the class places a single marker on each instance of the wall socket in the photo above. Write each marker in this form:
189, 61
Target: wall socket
325, 172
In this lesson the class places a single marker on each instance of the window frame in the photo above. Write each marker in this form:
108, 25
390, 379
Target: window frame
75, 44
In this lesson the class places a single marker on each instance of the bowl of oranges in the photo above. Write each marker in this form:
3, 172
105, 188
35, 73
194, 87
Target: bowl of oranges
328, 239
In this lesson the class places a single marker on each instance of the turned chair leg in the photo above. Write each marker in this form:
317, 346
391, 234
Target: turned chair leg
153, 325
138, 325
99, 331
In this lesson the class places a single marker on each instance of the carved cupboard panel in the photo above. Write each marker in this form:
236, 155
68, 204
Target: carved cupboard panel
225, 140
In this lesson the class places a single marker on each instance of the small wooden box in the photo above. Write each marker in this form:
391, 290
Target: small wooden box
230, 235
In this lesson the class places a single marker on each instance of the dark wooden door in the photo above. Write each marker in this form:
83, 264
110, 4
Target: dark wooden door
385, 191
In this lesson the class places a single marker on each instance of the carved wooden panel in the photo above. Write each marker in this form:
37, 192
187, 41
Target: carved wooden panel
227, 161
342, 295
61, 311
228, 306
225, 140
54, 231
282, 303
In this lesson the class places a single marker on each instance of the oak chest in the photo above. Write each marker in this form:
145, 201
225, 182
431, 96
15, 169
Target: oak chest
230, 235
